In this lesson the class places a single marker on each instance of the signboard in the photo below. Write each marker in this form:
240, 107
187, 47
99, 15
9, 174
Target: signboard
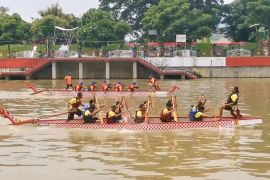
152, 32
181, 37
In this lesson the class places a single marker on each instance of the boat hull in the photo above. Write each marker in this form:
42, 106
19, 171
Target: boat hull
155, 126
101, 93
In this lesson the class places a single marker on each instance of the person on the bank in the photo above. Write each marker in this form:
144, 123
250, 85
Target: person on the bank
68, 81
140, 114
113, 116
153, 84
92, 86
73, 107
78, 87
166, 113
231, 104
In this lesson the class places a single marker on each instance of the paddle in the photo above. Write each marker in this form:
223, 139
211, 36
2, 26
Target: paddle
99, 113
174, 107
149, 103
214, 114
129, 115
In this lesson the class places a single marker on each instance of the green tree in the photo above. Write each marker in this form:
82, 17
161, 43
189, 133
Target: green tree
234, 18
52, 16
100, 26
131, 11
12, 27
178, 17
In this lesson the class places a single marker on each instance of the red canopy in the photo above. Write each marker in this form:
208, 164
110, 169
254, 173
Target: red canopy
131, 44
221, 43
169, 44
154, 44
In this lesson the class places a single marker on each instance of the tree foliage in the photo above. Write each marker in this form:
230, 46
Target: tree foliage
100, 26
178, 17
12, 27
245, 19
131, 11
52, 16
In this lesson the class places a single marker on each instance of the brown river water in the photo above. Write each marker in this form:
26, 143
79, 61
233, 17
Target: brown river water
28, 152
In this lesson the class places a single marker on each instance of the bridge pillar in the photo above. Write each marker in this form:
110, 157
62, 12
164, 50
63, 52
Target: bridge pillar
53, 70
161, 76
183, 76
80, 70
6, 77
134, 75
107, 70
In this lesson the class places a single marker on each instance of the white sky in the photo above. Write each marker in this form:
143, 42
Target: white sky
29, 8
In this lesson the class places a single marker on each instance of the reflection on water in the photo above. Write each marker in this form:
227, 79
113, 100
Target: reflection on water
50, 153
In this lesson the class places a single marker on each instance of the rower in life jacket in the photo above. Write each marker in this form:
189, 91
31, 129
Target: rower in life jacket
166, 113
153, 84
68, 81
132, 86
105, 86
73, 107
113, 116
78, 87
140, 114
92, 86
89, 112
197, 113
118, 87
231, 104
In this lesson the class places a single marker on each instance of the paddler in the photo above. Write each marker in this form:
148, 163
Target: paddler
118, 87
231, 104
166, 113
140, 114
199, 115
105, 86
68, 81
73, 106
153, 84
92, 86
78, 87
132, 86
90, 112
113, 116
199, 107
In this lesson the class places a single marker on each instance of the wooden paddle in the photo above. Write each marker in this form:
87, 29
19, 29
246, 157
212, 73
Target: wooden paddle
149, 103
99, 113
125, 102
174, 112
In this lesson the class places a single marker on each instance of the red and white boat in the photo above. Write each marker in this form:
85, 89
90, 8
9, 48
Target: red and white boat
153, 125
63, 92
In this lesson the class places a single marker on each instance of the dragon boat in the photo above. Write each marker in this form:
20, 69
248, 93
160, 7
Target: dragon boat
153, 125
63, 92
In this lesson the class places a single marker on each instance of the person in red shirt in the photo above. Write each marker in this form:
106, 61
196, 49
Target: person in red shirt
68, 81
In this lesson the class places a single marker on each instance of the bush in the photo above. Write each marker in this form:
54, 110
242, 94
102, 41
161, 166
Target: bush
204, 49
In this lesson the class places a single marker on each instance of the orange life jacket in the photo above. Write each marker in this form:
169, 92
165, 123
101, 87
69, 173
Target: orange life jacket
68, 79
131, 87
118, 87
78, 87
104, 87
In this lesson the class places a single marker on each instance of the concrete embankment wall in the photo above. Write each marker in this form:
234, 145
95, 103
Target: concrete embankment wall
232, 72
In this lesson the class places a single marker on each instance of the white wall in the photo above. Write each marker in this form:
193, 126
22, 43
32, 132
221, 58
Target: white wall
187, 61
